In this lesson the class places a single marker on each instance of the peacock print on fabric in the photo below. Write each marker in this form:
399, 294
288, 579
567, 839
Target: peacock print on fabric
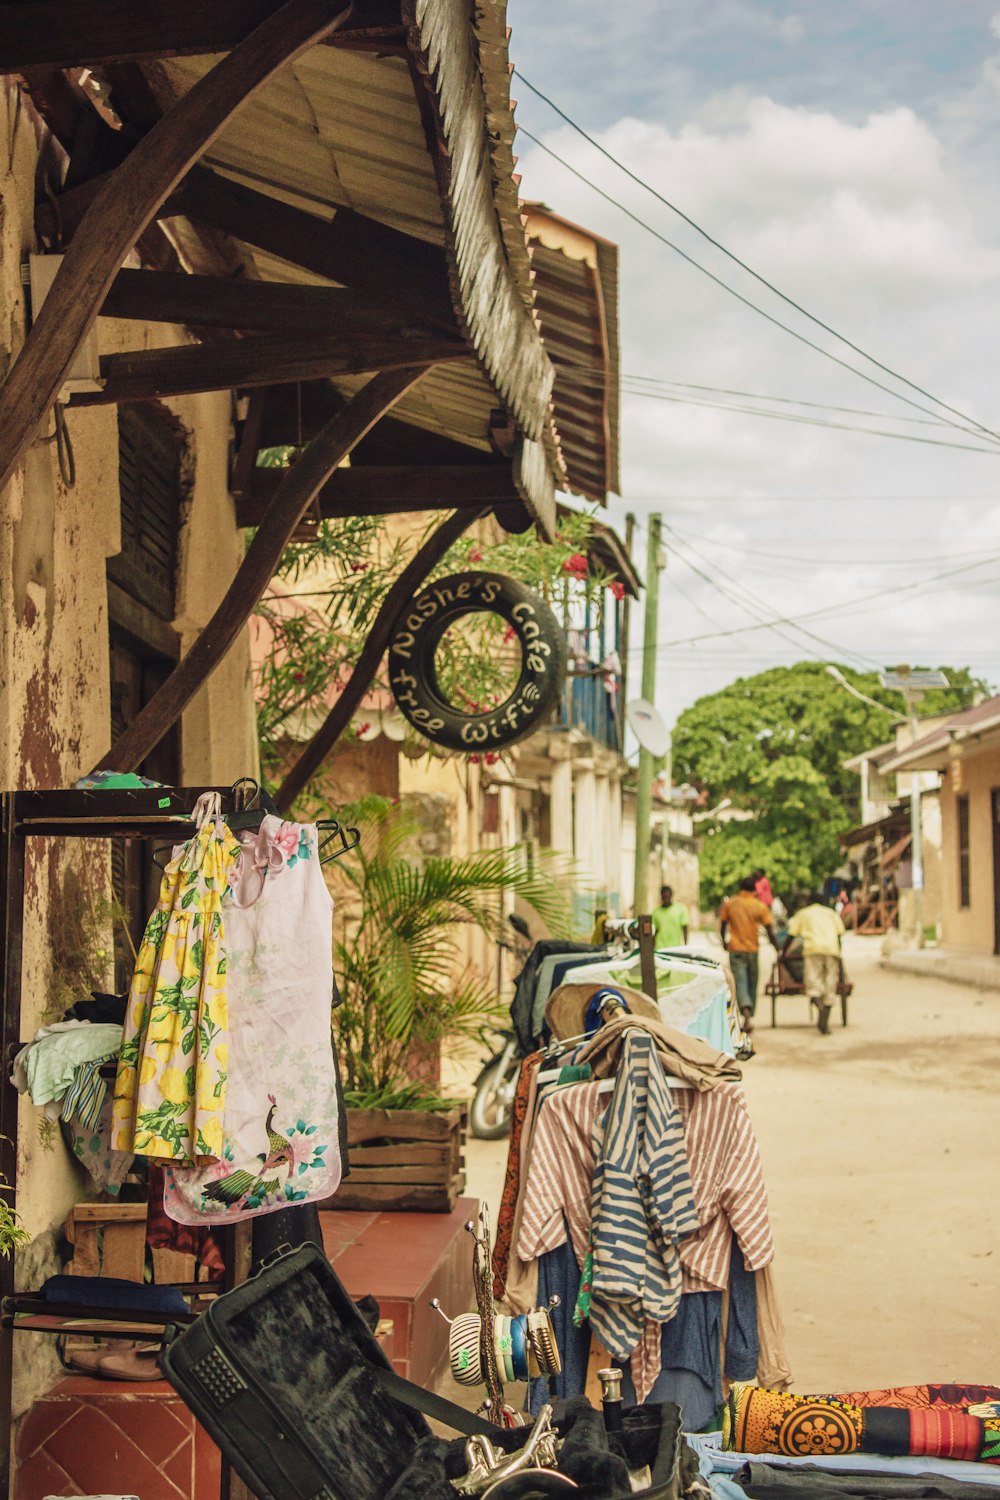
279, 1143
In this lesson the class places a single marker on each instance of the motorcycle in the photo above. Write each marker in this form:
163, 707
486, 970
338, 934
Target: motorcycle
493, 1100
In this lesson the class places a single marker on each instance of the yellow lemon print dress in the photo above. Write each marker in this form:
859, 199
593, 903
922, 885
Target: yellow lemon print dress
170, 1089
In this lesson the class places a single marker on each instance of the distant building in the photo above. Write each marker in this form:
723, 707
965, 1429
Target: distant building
879, 850
962, 752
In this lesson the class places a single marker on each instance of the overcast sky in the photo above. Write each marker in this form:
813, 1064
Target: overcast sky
848, 153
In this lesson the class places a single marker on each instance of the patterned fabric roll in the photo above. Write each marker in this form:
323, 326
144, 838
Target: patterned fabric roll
958, 1396
762, 1421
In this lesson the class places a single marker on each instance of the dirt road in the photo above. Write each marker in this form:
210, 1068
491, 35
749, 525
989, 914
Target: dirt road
880, 1150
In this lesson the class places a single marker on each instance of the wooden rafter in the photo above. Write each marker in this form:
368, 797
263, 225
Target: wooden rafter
129, 201
424, 559
93, 33
381, 489
259, 359
267, 306
299, 487
348, 248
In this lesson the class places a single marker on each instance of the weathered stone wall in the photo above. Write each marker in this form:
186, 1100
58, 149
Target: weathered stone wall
54, 662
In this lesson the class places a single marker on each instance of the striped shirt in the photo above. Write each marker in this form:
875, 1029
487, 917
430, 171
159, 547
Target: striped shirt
723, 1159
643, 1202
728, 1186
560, 1175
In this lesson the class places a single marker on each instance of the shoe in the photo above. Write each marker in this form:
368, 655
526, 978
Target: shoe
136, 1364
824, 1019
88, 1361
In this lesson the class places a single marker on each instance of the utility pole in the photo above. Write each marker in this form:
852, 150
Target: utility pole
624, 640
644, 788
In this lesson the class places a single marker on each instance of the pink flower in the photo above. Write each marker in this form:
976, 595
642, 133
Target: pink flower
618, 589
287, 838
577, 565
475, 555
299, 677
509, 634
362, 729
491, 757
359, 567
473, 760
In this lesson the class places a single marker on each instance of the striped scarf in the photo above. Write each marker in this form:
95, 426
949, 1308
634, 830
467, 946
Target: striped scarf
643, 1204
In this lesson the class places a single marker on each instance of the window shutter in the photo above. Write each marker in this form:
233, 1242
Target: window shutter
150, 452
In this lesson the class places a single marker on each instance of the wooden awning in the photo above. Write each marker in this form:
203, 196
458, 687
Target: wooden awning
324, 196
374, 160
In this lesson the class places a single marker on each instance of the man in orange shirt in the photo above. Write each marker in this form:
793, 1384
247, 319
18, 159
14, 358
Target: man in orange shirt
741, 918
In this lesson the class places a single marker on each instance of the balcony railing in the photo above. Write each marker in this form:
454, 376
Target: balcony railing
587, 705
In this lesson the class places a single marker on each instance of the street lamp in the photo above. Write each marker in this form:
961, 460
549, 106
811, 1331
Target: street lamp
913, 685
838, 676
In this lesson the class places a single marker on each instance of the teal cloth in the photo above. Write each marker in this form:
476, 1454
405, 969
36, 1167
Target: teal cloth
50, 1063
574, 1073
113, 781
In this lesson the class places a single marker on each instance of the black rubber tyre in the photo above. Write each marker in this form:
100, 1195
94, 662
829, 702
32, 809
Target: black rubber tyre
413, 679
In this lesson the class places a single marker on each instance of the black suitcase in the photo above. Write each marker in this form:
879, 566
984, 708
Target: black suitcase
286, 1377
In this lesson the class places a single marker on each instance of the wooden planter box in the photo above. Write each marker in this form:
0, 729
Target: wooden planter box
404, 1159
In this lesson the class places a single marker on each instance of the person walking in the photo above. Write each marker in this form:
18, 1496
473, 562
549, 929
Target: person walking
762, 888
821, 931
670, 921
741, 919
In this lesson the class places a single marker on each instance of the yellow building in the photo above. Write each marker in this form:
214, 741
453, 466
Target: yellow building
964, 750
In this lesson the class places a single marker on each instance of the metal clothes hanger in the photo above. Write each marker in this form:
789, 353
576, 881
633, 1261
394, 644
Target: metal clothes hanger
349, 838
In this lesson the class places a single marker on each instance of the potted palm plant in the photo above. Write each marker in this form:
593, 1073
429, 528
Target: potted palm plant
406, 993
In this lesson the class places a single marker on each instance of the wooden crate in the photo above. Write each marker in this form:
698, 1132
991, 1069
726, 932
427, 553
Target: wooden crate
404, 1159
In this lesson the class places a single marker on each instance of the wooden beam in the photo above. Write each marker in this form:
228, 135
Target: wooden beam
348, 248
130, 200
267, 306
92, 33
249, 444
424, 559
388, 489
260, 359
298, 490
358, 252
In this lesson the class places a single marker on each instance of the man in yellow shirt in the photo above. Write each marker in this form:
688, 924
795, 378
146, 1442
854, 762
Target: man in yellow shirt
821, 931
741, 919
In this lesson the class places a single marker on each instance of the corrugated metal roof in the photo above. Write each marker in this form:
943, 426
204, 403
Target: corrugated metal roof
576, 292
345, 129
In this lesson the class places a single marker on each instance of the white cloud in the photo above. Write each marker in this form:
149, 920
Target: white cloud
870, 225
792, 29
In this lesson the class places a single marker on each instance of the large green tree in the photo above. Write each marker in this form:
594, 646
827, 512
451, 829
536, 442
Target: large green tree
775, 745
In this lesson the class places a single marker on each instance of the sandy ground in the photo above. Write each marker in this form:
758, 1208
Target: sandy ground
880, 1154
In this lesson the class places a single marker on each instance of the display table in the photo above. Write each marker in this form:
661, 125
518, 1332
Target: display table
404, 1260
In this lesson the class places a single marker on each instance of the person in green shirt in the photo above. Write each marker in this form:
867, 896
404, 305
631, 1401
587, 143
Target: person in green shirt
670, 921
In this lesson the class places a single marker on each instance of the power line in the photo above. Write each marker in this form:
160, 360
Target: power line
856, 411
585, 375
790, 301
845, 604
781, 416
754, 608
826, 561
596, 376
755, 307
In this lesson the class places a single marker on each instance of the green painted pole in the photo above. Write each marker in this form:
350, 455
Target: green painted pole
644, 788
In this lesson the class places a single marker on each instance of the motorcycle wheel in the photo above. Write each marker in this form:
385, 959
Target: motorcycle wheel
492, 1102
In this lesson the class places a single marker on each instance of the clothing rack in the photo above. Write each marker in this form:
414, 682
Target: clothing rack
160, 813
